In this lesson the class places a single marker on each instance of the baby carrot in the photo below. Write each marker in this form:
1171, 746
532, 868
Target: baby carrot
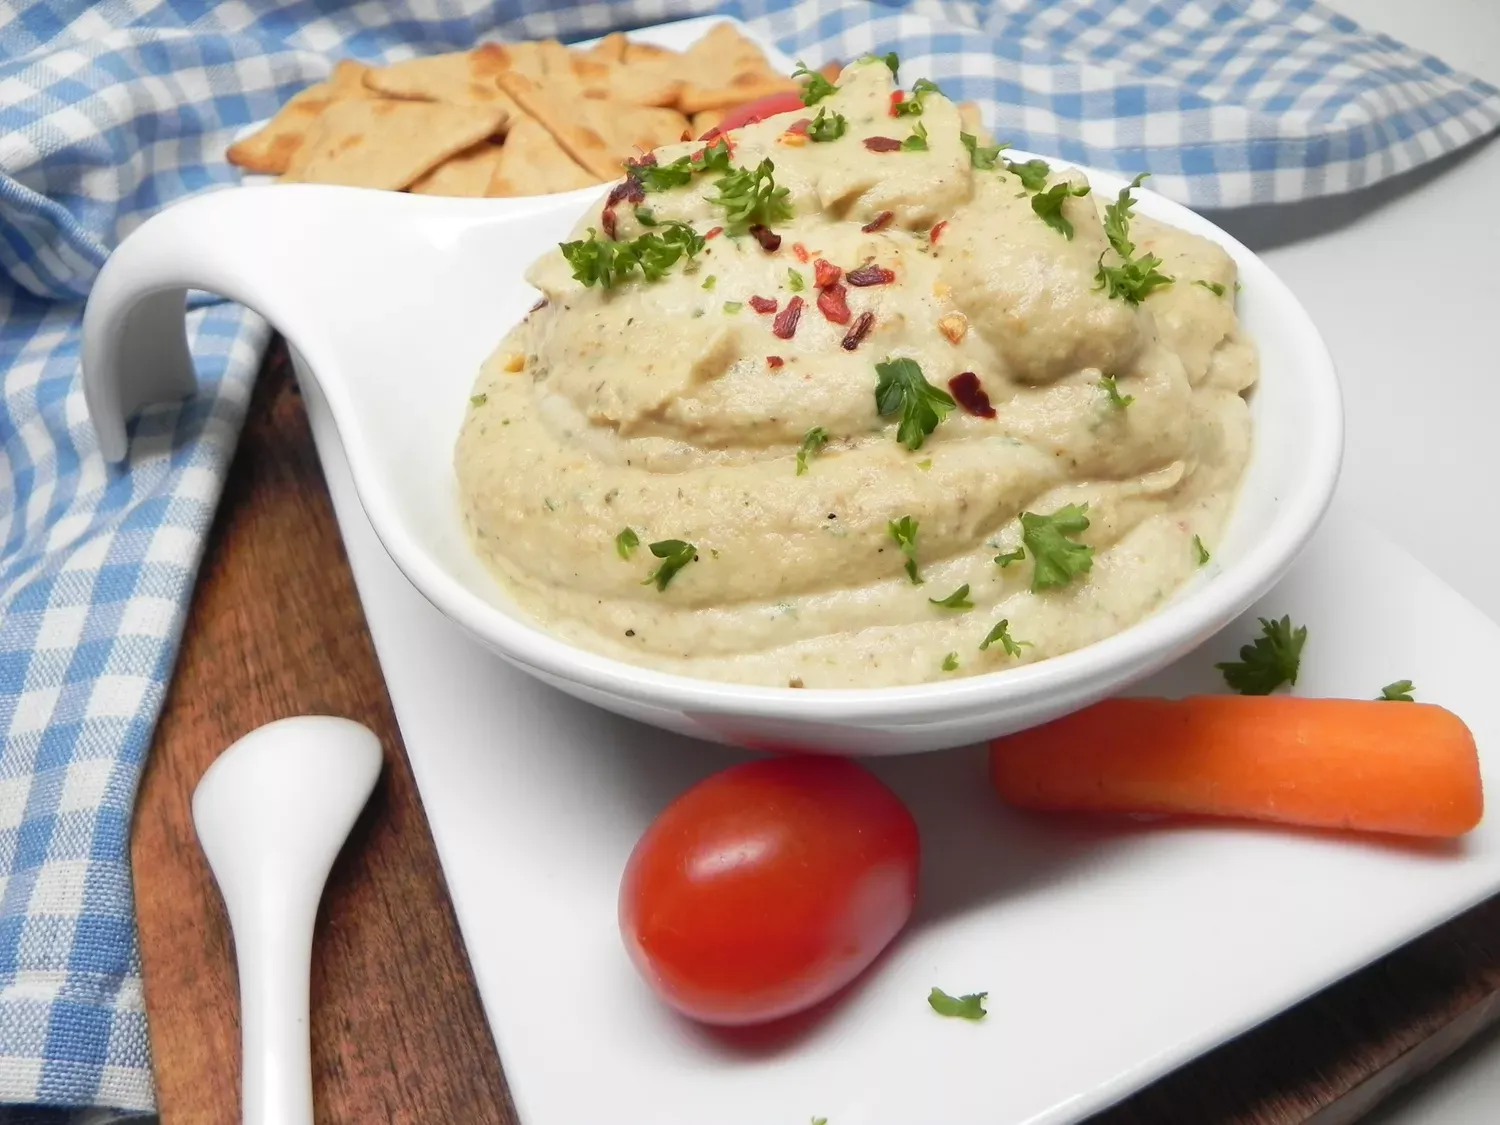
1372, 766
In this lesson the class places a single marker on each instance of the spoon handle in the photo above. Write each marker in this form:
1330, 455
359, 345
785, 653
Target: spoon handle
274, 955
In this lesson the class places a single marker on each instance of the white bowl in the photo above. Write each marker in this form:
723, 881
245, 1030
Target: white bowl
392, 301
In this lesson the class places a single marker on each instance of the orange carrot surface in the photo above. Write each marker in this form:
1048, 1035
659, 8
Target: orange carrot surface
1372, 766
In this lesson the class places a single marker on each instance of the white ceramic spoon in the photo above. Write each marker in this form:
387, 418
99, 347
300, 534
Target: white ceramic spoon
271, 813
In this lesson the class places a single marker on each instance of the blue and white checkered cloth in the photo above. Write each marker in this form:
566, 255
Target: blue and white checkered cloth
111, 110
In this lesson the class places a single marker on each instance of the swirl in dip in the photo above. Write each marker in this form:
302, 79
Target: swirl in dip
960, 367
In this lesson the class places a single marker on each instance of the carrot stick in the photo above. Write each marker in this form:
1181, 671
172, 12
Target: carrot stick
1372, 766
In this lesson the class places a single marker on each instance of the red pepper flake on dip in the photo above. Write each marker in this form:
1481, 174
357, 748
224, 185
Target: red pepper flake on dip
991, 350
882, 144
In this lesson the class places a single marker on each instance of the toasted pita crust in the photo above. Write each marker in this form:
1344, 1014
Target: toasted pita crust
724, 69
387, 143
706, 120
269, 151
458, 78
611, 48
467, 173
533, 163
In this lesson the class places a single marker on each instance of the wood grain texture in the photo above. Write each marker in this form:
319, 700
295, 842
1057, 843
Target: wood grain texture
398, 1035
275, 629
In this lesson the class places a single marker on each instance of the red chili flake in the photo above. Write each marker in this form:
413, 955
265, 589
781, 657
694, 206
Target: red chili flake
897, 97
607, 221
769, 240
932, 235
785, 326
825, 273
871, 274
645, 160
627, 189
799, 126
860, 330
714, 233
687, 135
882, 144
879, 222
800, 250
832, 305
970, 395
774, 361
763, 304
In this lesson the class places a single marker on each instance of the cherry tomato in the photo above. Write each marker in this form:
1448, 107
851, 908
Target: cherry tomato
758, 110
768, 887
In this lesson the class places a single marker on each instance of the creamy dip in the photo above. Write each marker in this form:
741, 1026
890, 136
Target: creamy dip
672, 410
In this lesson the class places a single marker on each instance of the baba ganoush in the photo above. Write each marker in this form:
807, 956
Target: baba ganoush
848, 398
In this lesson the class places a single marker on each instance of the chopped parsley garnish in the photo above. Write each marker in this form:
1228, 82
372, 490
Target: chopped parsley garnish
1010, 556
1134, 278
645, 216
1000, 635
1116, 399
1213, 287
794, 281
1048, 206
479, 399
981, 156
732, 307
912, 106
827, 126
816, 88
922, 406
917, 142
664, 177
950, 662
1271, 661
893, 61
1033, 174
1200, 552
959, 599
710, 281
1057, 559
750, 198
674, 554
626, 542
605, 263
904, 532
812, 442
1398, 692
970, 1007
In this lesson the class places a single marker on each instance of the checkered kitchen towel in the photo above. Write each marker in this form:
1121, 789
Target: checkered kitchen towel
110, 110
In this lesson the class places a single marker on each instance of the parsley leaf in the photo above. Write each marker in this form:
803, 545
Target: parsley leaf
912, 106
959, 599
812, 442
1010, 556
816, 88
893, 61
917, 142
1058, 560
1200, 552
1271, 661
732, 307
605, 263
1214, 287
479, 399
922, 406
674, 555
1134, 278
794, 281
827, 126
663, 177
981, 156
645, 216
950, 662
1000, 635
970, 1007
1048, 206
657, 253
1398, 692
1108, 386
1033, 173
904, 532
715, 157
751, 197
627, 541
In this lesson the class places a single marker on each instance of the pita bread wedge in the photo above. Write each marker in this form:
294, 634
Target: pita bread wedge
725, 69
458, 78
637, 85
531, 162
467, 173
636, 53
387, 143
270, 150
611, 48
706, 120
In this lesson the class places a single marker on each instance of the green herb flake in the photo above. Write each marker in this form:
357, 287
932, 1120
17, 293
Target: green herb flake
645, 216
626, 542
479, 399
1200, 552
816, 88
925, 464
1048, 206
732, 307
1134, 278
983, 157
812, 442
606, 263
917, 142
902, 388
1000, 635
912, 106
827, 126
794, 281
959, 599
1009, 557
1398, 692
1112, 392
1272, 660
1213, 287
893, 62
1058, 560
674, 554
970, 1007
950, 662
904, 532
1032, 174
750, 198
709, 282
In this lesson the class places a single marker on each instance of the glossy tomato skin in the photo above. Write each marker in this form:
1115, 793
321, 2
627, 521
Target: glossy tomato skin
768, 887
758, 110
